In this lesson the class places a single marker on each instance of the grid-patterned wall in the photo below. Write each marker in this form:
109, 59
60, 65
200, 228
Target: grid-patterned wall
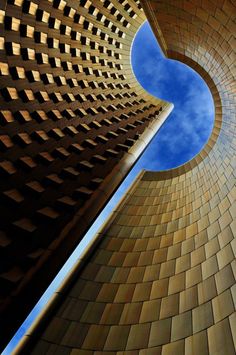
162, 280
71, 122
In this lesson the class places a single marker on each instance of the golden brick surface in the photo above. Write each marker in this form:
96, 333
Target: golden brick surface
169, 245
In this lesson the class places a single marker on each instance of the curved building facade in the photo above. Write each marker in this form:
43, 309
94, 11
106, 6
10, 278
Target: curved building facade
160, 277
73, 121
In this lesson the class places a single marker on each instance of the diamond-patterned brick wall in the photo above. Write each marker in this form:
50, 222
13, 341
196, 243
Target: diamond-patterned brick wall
73, 120
162, 278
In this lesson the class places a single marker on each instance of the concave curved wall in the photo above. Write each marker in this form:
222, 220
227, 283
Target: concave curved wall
162, 278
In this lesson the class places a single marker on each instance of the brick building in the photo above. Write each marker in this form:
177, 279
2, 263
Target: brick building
73, 121
160, 278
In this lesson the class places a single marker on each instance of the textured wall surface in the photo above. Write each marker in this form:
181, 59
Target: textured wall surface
73, 120
162, 279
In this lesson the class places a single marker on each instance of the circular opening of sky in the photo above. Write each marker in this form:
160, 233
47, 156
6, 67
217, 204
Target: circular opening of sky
190, 124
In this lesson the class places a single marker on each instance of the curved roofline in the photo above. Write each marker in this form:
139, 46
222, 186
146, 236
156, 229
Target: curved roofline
171, 54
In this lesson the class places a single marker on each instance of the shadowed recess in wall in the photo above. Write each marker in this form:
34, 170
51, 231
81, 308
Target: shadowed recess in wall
191, 122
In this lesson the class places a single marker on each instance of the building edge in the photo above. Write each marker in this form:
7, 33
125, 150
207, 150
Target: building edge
95, 206
31, 335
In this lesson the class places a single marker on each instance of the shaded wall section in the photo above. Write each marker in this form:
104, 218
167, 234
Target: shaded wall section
162, 279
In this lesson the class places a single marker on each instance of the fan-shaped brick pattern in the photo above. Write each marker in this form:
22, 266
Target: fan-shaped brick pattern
159, 282
162, 278
73, 120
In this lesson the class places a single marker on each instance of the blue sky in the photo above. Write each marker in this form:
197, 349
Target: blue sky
180, 138
190, 123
